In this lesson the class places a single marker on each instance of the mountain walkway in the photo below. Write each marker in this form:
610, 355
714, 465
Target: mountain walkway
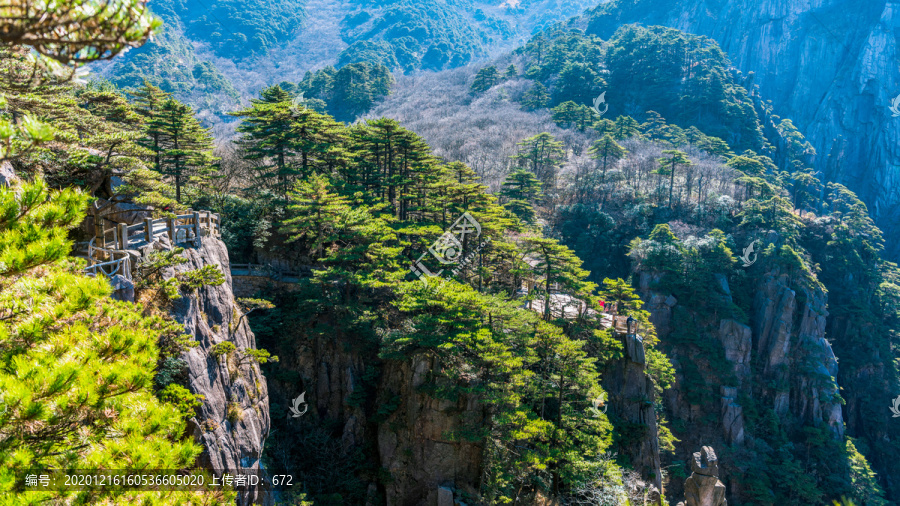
109, 252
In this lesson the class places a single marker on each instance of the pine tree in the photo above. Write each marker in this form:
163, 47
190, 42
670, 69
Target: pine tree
319, 143
288, 141
626, 128
668, 165
511, 71
661, 252
605, 126
462, 192
96, 133
186, 146
714, 146
485, 79
355, 89
391, 165
351, 241
521, 190
317, 214
572, 379
774, 213
608, 152
618, 294
693, 135
266, 128
572, 115
557, 267
77, 385
747, 165
110, 147
542, 154
655, 126
148, 102
69, 32
578, 82
536, 98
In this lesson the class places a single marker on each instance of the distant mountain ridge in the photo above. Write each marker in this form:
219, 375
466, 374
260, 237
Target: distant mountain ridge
217, 53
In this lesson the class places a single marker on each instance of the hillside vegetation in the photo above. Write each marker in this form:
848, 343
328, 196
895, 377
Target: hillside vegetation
213, 55
612, 179
492, 372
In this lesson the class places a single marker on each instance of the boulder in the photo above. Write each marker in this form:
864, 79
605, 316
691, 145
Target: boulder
635, 348
659, 305
722, 282
7, 174
705, 462
233, 420
774, 308
703, 488
630, 398
733, 421
123, 288
445, 496
122, 212
790, 329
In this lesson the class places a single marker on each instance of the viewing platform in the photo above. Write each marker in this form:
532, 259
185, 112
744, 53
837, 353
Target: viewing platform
111, 250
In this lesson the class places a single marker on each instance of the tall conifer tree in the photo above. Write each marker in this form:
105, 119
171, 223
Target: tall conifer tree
148, 102
288, 139
186, 146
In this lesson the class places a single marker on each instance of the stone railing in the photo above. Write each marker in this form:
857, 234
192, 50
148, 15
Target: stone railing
248, 280
108, 262
108, 251
264, 271
181, 228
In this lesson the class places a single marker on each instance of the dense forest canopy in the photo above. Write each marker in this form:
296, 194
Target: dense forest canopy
613, 260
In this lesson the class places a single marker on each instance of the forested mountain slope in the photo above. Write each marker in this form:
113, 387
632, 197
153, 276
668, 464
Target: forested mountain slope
605, 178
612, 282
831, 66
215, 53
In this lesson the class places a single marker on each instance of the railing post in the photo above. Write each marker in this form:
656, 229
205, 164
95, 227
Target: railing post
148, 230
98, 225
123, 236
197, 225
170, 224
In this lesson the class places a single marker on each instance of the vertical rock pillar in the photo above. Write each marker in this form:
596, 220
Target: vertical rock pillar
703, 488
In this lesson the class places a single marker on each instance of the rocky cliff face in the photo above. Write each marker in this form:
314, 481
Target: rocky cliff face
234, 418
828, 65
415, 443
781, 359
795, 356
384, 412
631, 400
